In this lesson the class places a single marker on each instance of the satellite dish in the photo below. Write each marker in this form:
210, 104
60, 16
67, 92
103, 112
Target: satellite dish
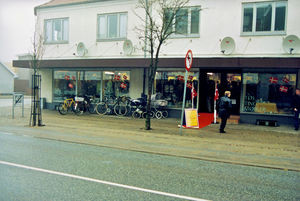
227, 45
291, 44
81, 50
127, 47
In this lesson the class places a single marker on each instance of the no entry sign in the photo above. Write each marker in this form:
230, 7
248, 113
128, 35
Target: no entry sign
188, 60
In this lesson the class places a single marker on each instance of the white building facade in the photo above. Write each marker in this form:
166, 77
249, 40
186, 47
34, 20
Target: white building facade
249, 47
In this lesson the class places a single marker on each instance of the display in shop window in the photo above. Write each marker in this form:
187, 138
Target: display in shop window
272, 94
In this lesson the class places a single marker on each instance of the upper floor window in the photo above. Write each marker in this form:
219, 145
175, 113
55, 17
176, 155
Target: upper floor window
57, 30
112, 26
186, 22
264, 18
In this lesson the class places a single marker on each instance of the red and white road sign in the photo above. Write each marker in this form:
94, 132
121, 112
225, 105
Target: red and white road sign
188, 60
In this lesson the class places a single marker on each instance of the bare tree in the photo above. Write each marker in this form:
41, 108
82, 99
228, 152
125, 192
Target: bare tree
36, 53
161, 18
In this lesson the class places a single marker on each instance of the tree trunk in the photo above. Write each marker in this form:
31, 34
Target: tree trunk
148, 109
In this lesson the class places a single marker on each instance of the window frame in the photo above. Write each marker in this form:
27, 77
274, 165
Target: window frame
52, 20
189, 28
254, 6
107, 38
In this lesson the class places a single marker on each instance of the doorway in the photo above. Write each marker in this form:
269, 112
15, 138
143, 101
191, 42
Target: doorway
225, 81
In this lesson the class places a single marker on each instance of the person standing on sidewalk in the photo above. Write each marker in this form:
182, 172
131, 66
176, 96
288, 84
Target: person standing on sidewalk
296, 108
224, 110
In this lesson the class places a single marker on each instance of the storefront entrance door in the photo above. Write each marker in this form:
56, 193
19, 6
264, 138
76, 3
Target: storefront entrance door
225, 81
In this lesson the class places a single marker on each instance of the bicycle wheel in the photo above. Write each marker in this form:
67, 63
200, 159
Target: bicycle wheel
136, 114
151, 114
91, 108
158, 114
79, 109
120, 109
62, 109
165, 114
101, 108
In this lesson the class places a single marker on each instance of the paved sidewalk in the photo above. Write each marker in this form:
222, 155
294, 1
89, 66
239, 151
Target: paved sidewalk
273, 147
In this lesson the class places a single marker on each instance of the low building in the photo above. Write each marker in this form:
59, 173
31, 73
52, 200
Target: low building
7, 77
247, 47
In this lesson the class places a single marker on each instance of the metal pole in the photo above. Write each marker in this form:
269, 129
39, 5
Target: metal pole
13, 107
183, 101
23, 105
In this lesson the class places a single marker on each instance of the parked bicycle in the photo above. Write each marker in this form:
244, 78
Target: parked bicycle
84, 103
69, 103
112, 105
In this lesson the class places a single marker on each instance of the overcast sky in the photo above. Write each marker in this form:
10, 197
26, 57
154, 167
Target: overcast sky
16, 27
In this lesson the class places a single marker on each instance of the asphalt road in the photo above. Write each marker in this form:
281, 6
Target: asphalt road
39, 169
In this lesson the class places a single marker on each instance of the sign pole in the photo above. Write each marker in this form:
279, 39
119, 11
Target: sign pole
183, 100
188, 64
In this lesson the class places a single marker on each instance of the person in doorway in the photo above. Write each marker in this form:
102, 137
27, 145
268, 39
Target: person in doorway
224, 110
296, 108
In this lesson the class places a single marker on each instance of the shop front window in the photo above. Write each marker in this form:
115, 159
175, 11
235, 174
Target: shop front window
170, 87
89, 83
64, 84
268, 93
115, 84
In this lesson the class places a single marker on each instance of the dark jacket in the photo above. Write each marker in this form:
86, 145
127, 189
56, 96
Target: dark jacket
224, 107
296, 102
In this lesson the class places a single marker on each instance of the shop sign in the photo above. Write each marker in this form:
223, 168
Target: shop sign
191, 118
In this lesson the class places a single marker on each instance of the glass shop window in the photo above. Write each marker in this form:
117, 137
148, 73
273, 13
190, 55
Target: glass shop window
64, 85
170, 87
268, 93
115, 84
89, 83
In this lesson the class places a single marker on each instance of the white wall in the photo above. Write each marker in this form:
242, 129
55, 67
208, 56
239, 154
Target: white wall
218, 19
136, 83
83, 28
46, 89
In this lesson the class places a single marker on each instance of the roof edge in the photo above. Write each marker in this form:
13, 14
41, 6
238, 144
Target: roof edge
9, 70
44, 6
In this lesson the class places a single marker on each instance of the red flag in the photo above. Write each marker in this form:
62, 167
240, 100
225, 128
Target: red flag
273, 80
180, 77
216, 93
194, 93
117, 77
189, 85
286, 80
283, 89
123, 85
67, 77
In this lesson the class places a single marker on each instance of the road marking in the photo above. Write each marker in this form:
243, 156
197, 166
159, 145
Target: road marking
101, 181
